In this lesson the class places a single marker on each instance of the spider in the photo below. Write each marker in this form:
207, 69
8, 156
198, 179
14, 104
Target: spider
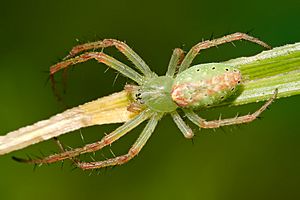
183, 87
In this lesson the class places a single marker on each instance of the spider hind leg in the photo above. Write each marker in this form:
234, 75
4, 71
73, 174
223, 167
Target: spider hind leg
202, 123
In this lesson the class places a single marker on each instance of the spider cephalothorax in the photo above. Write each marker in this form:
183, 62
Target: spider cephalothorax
185, 88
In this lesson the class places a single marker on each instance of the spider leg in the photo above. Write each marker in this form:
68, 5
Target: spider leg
176, 58
62, 149
106, 140
183, 127
102, 58
121, 46
202, 123
134, 150
211, 43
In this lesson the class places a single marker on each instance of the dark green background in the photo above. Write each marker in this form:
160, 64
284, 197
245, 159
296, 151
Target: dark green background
255, 161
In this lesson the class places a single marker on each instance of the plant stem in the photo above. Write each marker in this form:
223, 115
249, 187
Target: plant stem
264, 72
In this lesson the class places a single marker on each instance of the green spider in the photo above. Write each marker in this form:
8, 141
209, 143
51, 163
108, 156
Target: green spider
185, 88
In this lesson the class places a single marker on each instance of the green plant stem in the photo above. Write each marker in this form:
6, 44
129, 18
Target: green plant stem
266, 71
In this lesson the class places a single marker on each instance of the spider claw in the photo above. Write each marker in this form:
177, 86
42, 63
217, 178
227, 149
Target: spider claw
22, 160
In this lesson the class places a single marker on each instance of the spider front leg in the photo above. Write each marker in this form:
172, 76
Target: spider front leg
121, 46
100, 57
211, 43
134, 150
106, 140
202, 123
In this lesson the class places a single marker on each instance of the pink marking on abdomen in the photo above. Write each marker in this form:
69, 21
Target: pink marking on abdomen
207, 87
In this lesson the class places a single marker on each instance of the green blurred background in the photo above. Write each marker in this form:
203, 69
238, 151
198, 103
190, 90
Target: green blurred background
255, 161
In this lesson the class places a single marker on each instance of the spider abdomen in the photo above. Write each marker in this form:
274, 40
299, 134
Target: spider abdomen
205, 85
